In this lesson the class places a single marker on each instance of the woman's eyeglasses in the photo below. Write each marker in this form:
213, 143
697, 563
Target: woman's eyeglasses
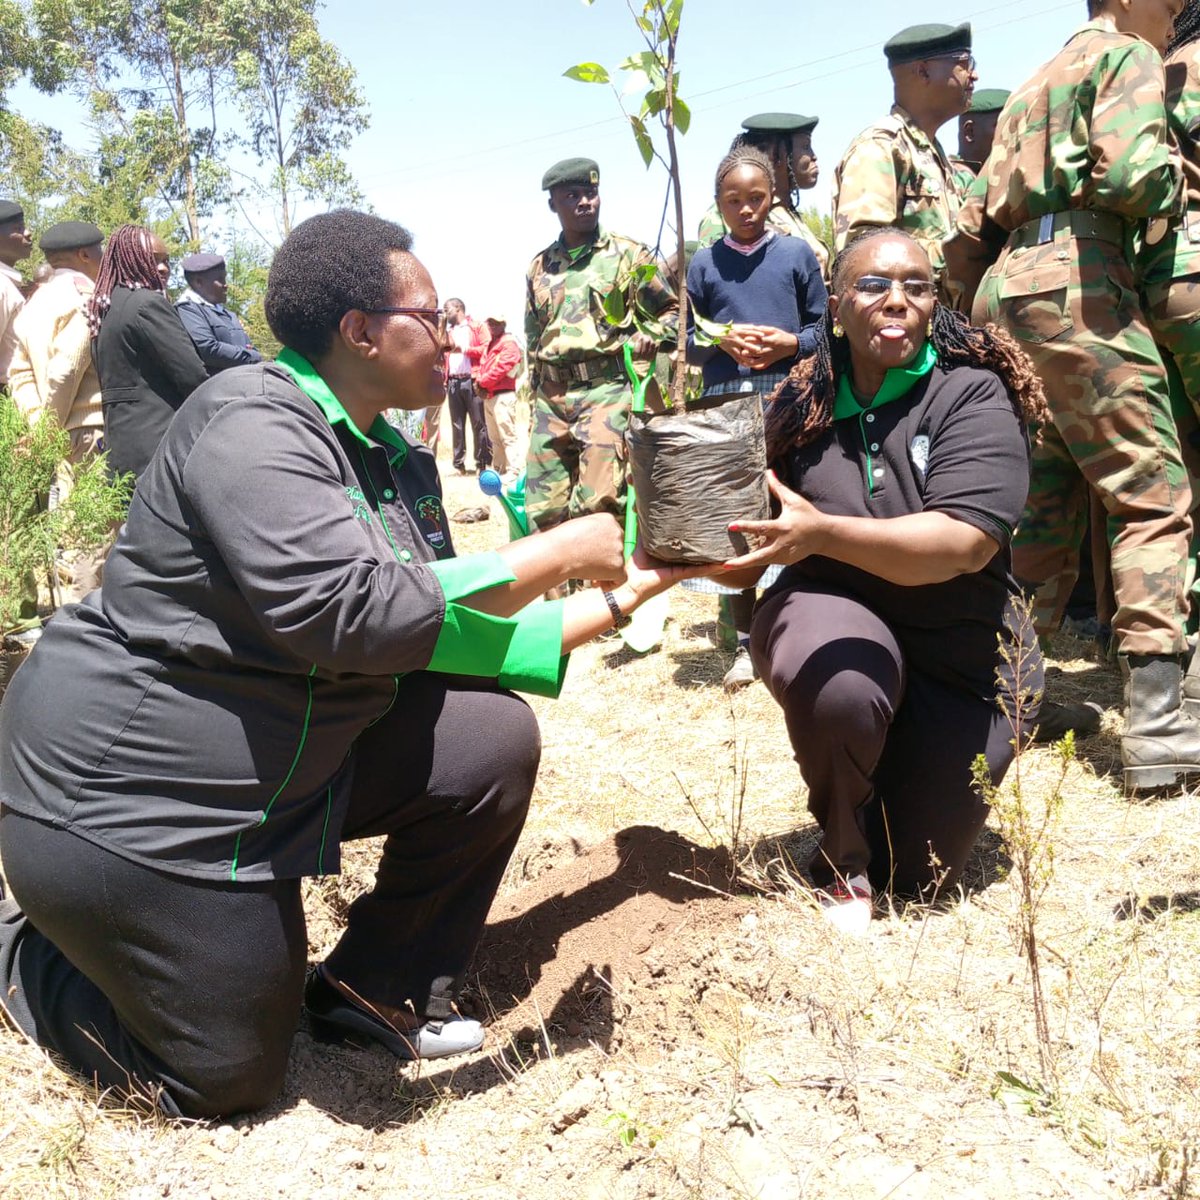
876, 286
435, 316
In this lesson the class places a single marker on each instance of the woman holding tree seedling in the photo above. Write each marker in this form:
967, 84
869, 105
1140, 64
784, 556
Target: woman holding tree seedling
285, 655
894, 639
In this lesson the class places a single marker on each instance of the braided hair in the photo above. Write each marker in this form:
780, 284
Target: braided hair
801, 408
778, 148
744, 156
128, 261
1187, 27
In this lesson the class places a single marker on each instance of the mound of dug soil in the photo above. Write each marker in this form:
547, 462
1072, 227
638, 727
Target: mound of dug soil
564, 949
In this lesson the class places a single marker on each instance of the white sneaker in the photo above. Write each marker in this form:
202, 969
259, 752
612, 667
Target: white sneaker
847, 905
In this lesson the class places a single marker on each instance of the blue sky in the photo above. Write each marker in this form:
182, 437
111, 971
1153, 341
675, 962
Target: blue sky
469, 106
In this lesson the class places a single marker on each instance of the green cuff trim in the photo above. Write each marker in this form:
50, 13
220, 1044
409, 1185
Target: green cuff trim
522, 652
535, 662
471, 643
473, 573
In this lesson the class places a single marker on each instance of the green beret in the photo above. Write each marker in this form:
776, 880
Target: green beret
70, 235
778, 123
571, 170
9, 211
927, 41
987, 100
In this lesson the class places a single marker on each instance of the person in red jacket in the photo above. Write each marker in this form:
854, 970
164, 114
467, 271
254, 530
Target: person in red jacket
496, 379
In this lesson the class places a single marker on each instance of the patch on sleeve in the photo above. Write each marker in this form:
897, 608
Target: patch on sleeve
918, 451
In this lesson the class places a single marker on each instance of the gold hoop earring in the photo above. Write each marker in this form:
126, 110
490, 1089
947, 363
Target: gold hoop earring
838, 331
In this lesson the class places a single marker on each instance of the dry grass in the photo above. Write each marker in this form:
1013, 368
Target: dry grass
774, 1060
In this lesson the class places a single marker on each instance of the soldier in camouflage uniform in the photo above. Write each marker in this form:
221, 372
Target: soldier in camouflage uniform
1081, 163
896, 172
576, 461
786, 139
1169, 269
1169, 273
976, 133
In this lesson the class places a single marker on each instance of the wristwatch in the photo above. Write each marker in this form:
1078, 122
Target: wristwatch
620, 619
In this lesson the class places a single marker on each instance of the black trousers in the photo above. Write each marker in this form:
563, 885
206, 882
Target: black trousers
466, 402
886, 751
144, 980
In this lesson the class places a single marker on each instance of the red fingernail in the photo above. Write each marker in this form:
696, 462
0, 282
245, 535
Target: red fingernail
735, 529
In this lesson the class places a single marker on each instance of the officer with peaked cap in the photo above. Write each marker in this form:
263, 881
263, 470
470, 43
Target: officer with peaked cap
52, 369
15, 242
786, 139
218, 335
976, 132
576, 461
895, 172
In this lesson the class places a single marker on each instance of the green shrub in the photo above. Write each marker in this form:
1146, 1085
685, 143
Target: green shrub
30, 531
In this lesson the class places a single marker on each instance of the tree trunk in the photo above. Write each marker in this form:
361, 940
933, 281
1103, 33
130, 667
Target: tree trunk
191, 204
679, 375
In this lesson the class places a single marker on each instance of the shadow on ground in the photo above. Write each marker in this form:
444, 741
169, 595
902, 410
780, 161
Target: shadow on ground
552, 966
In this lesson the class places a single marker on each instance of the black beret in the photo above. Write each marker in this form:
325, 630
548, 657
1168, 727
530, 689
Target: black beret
778, 123
571, 170
197, 264
987, 100
927, 41
10, 212
70, 235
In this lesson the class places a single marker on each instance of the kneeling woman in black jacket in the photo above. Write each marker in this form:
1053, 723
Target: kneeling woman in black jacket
285, 655
901, 465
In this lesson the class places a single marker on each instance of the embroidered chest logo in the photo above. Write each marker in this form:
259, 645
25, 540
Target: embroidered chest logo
358, 502
429, 513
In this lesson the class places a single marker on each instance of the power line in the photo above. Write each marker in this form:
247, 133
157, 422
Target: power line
619, 122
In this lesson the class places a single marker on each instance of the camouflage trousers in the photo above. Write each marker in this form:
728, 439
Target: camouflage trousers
1171, 296
1072, 305
576, 460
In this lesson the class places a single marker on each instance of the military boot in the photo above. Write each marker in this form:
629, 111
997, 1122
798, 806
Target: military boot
1161, 743
1191, 684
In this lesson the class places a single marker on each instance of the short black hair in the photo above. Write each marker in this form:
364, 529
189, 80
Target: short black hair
327, 266
1094, 7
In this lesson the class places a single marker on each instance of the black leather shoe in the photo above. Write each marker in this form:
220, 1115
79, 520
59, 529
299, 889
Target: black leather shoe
334, 1017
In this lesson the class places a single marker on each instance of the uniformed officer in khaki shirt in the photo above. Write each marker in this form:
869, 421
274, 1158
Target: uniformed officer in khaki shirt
15, 241
52, 367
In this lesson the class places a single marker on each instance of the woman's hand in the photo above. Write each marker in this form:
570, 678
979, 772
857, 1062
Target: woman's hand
593, 547
797, 532
646, 577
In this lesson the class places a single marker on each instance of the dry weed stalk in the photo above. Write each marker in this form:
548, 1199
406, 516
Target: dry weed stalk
1029, 820
741, 855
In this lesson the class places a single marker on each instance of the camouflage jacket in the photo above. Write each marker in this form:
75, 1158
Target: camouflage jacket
782, 218
893, 174
1088, 131
564, 300
1178, 253
964, 173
